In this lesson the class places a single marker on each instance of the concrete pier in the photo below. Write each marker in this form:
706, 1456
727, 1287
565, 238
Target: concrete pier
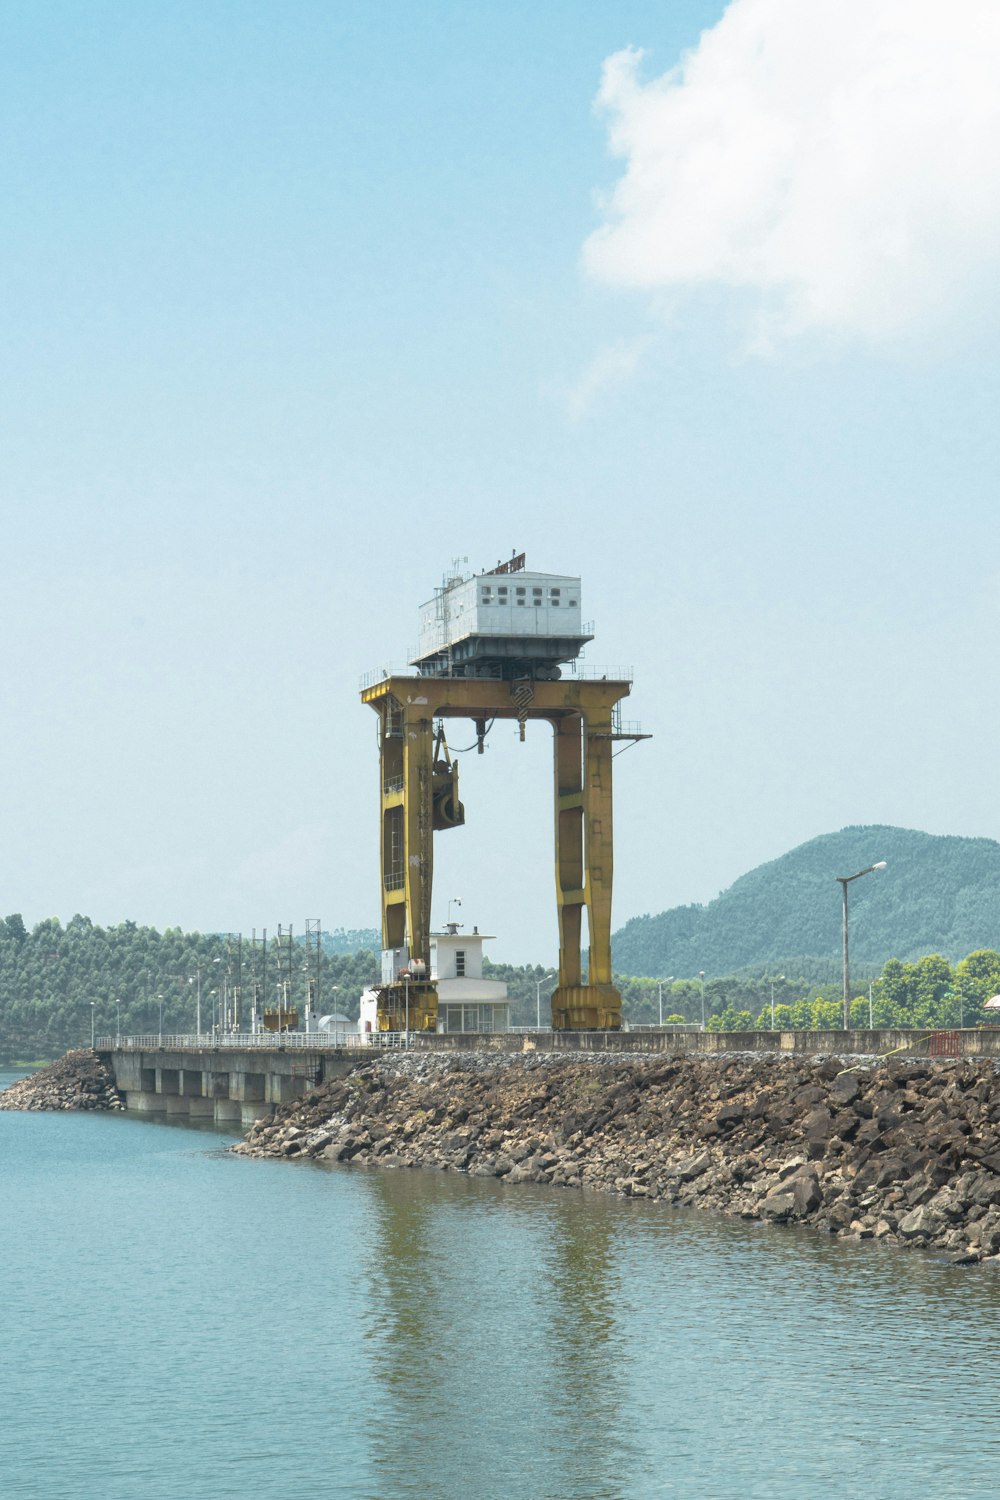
224, 1084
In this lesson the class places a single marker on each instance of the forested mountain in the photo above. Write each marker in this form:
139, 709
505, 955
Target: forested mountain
938, 894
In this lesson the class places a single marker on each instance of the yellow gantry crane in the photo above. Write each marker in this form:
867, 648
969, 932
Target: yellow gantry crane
492, 646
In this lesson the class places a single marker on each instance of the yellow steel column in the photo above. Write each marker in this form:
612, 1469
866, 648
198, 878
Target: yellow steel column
391, 785
605, 1001
568, 758
584, 858
418, 811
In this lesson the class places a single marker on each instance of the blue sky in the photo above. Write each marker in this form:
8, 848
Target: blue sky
302, 301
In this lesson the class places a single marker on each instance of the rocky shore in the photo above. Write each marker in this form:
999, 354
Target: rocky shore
80, 1080
906, 1153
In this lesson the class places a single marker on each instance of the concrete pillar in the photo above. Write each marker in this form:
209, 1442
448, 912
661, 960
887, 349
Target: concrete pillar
227, 1110
279, 1088
145, 1102
215, 1085
253, 1110
168, 1080
247, 1087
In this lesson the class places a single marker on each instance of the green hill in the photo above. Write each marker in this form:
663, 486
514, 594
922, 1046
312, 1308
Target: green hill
939, 894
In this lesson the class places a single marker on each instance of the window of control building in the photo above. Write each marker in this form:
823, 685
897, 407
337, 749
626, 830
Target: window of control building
460, 963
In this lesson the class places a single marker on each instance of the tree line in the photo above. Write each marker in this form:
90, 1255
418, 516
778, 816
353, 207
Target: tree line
57, 981
929, 993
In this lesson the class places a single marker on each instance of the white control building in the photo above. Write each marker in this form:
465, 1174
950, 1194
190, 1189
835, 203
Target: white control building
509, 618
466, 1001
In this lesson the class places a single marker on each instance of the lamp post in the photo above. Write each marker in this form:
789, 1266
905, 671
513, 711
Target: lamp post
660, 984
701, 976
780, 977
197, 1013
844, 881
538, 999
93, 1005
310, 1011
406, 991
160, 1000
118, 1023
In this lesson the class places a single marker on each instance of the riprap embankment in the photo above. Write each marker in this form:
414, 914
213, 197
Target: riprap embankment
80, 1080
907, 1153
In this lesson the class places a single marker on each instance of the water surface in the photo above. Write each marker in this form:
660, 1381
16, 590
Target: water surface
178, 1322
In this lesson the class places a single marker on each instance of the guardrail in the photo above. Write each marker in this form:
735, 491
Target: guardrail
570, 670
589, 673
241, 1041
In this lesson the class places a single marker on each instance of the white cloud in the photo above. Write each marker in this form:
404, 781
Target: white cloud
610, 367
839, 160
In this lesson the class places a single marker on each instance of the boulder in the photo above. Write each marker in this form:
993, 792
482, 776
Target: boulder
922, 1222
845, 1088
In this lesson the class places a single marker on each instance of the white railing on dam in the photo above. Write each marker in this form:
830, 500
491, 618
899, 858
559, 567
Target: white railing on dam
250, 1040
885, 1042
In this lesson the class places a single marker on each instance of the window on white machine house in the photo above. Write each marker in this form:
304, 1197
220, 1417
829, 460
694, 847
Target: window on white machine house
460, 963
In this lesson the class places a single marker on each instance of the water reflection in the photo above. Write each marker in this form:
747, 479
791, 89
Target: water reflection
381, 1335
497, 1342
535, 1343
450, 1312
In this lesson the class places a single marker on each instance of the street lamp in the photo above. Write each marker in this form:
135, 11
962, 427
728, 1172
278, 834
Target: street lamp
198, 969
538, 999
310, 1008
118, 1023
844, 881
701, 975
93, 1005
780, 977
660, 984
160, 1000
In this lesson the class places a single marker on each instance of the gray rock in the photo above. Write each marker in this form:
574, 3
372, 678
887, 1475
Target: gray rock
779, 1206
845, 1089
922, 1221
